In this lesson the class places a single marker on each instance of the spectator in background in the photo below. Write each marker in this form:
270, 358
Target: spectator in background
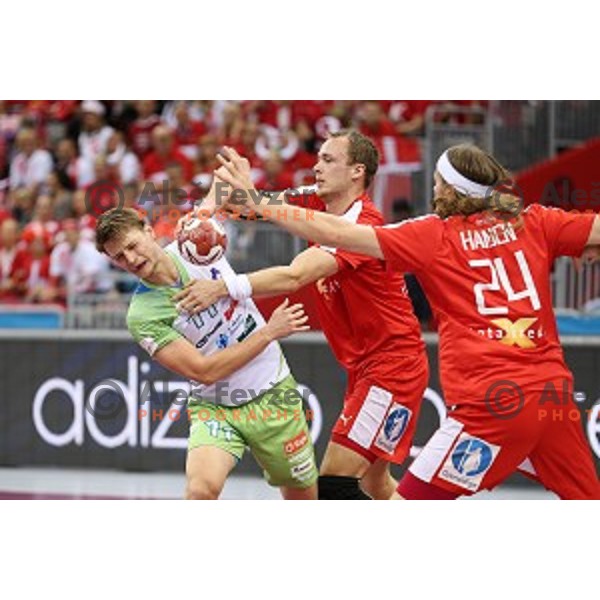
305, 114
43, 224
394, 149
22, 202
76, 266
199, 110
52, 117
94, 137
462, 112
86, 222
206, 161
39, 286
248, 138
140, 131
176, 202
30, 167
4, 214
164, 152
131, 195
408, 116
13, 263
9, 125
373, 121
232, 124
67, 164
104, 171
275, 176
123, 163
9, 122
187, 131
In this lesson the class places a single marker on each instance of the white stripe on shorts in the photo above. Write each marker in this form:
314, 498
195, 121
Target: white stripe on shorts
370, 416
435, 450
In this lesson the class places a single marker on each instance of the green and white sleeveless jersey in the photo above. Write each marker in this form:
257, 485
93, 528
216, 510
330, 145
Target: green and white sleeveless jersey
154, 322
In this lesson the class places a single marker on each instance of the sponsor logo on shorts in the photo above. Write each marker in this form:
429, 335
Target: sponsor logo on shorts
393, 428
345, 420
468, 462
296, 443
303, 471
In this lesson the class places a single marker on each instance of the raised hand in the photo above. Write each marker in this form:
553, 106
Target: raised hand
286, 320
235, 170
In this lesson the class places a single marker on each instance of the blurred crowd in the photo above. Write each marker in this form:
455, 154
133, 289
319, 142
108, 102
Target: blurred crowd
62, 162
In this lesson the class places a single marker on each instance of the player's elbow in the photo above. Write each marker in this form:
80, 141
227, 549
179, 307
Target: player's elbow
206, 378
295, 279
203, 374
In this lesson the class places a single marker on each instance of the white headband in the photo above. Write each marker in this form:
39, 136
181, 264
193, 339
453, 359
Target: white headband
459, 181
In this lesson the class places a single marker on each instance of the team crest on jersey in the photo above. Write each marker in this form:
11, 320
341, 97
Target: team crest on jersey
393, 428
468, 462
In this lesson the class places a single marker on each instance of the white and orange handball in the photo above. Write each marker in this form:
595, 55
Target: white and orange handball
201, 241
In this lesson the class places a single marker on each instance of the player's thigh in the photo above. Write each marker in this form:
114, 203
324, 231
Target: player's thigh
562, 461
206, 469
215, 446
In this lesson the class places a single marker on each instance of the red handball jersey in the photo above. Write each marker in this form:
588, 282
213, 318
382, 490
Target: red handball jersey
364, 309
488, 283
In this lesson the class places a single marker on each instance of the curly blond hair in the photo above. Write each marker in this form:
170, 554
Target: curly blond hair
480, 167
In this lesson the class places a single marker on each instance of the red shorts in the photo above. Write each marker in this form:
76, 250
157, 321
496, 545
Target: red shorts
474, 449
381, 408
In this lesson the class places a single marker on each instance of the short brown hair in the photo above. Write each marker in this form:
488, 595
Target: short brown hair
481, 167
361, 150
116, 222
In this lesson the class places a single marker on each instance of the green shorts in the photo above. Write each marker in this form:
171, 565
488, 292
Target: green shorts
274, 428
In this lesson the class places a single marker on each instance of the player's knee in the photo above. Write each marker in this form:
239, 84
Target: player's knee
333, 487
202, 489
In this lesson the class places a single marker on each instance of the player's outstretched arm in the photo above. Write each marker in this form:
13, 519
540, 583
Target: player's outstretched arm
309, 266
322, 228
183, 358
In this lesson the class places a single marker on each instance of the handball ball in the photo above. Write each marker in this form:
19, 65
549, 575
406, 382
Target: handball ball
202, 241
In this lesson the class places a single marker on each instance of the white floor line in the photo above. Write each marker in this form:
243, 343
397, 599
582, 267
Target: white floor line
80, 482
